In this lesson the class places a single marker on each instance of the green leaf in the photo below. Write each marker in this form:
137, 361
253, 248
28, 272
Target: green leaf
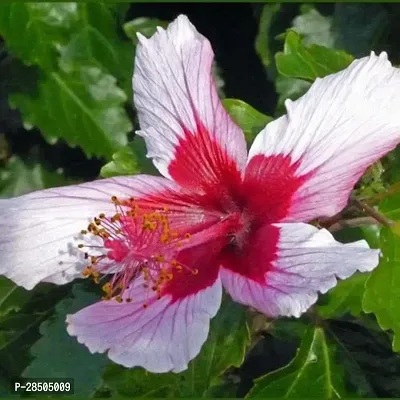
13, 326
58, 355
354, 28
371, 235
299, 61
289, 329
248, 118
130, 160
382, 295
345, 298
390, 206
145, 26
81, 59
18, 178
359, 27
81, 32
138, 383
95, 41
34, 31
12, 297
84, 108
313, 373
18, 331
225, 347
365, 352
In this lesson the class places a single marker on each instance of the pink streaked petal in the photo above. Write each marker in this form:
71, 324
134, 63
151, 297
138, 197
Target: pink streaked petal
40, 231
305, 261
344, 123
163, 337
188, 133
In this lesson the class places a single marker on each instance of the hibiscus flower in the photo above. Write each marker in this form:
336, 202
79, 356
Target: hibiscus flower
164, 247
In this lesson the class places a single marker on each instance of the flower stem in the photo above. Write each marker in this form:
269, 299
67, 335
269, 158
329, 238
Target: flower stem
365, 208
352, 223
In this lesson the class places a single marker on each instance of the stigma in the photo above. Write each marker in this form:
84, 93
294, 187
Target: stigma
133, 243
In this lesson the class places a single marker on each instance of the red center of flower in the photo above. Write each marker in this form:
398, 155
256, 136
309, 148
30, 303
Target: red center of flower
133, 244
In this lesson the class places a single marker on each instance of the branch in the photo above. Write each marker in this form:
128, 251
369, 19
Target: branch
352, 223
365, 208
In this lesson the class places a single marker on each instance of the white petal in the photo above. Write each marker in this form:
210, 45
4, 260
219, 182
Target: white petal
176, 99
40, 231
307, 261
161, 338
344, 123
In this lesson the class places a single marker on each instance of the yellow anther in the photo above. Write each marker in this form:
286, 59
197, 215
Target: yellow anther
164, 238
88, 271
118, 299
84, 232
150, 225
97, 221
92, 228
102, 215
115, 200
107, 287
96, 276
80, 246
116, 217
94, 260
103, 234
